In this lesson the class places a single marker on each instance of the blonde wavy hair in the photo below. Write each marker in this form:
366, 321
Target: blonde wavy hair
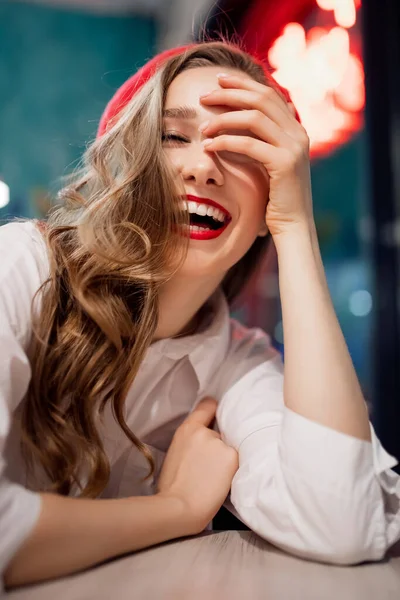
111, 243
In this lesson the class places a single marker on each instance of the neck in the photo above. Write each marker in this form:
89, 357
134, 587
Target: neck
180, 299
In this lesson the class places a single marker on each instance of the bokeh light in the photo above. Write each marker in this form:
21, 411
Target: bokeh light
360, 303
4, 194
323, 76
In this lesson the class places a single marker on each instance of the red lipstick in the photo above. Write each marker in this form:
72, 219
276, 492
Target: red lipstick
206, 233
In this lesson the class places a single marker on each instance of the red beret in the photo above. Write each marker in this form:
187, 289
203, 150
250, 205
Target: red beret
128, 89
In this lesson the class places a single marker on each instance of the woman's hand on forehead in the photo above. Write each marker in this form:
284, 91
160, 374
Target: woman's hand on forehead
274, 138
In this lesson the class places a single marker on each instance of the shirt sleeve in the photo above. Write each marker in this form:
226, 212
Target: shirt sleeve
308, 489
20, 277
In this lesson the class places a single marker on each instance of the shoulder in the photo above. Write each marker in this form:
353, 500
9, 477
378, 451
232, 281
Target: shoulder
249, 342
23, 252
24, 266
250, 352
237, 341
19, 238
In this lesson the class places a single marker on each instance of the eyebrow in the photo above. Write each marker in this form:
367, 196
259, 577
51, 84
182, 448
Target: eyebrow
180, 112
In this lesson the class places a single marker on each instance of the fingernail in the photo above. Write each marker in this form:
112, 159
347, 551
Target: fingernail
204, 125
204, 95
222, 75
207, 142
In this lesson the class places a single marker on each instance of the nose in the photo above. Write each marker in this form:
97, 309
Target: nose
201, 167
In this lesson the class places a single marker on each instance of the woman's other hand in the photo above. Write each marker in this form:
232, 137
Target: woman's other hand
198, 468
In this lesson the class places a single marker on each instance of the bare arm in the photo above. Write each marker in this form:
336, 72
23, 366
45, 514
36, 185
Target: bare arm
73, 534
320, 381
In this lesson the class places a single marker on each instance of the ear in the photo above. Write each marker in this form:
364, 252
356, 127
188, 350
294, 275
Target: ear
263, 230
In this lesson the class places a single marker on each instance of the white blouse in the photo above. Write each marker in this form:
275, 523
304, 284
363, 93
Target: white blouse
306, 488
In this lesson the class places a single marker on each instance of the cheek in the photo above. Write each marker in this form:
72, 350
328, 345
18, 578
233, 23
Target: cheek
174, 162
173, 158
252, 186
260, 178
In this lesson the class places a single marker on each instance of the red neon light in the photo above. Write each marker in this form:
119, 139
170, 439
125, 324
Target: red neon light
324, 78
344, 10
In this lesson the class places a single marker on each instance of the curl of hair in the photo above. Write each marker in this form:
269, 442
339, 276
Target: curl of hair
111, 244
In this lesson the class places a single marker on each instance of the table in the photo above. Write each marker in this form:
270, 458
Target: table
223, 565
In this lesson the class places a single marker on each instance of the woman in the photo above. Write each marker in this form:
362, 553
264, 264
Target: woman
199, 161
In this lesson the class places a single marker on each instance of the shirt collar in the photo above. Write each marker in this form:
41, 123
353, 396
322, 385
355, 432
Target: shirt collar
203, 348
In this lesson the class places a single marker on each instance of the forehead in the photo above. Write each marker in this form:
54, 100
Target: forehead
188, 86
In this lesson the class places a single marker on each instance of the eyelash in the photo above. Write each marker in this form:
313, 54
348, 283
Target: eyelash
173, 137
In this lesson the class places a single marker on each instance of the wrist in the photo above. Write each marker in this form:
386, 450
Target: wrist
177, 514
304, 230
298, 247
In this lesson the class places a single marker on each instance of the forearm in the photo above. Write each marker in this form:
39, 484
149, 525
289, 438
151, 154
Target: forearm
320, 381
73, 534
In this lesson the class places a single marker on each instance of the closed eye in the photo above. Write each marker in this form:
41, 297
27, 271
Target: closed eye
173, 138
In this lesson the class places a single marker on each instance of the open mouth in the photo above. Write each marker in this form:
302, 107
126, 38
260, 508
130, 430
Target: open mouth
207, 218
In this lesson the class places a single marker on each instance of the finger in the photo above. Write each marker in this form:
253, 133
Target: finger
215, 434
247, 83
204, 412
250, 99
257, 150
250, 121
292, 108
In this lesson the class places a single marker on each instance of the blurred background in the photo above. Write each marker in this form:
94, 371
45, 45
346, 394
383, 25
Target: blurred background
61, 61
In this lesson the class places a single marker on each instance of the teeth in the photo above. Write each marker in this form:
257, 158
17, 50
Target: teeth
197, 228
203, 210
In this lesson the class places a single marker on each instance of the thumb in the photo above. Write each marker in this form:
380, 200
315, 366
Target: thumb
204, 412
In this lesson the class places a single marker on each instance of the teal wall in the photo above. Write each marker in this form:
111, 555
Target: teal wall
58, 69
341, 198
342, 204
